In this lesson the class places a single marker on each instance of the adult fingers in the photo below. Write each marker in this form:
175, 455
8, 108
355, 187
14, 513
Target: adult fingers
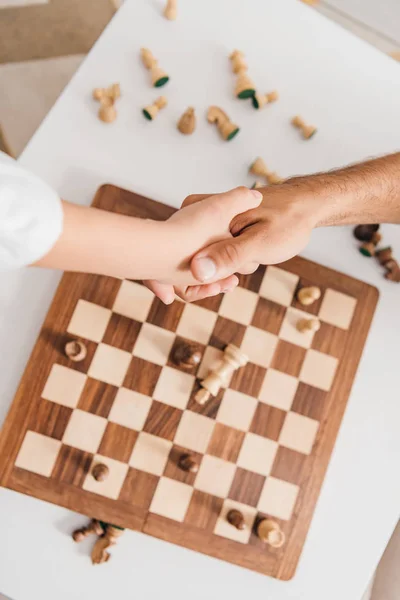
163, 291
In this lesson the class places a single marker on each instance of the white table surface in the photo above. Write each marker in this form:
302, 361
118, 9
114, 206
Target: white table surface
352, 93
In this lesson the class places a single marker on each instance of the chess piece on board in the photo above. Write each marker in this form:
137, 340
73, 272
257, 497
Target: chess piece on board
305, 325
259, 168
308, 295
151, 111
270, 533
158, 76
227, 129
75, 350
108, 539
307, 130
100, 472
364, 233
219, 375
94, 528
238, 61
170, 10
187, 122
236, 518
186, 355
260, 100
187, 462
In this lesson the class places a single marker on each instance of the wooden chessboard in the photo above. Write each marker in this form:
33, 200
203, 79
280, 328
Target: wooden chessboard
263, 444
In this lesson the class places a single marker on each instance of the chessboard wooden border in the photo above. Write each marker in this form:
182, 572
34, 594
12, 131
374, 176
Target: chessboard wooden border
279, 563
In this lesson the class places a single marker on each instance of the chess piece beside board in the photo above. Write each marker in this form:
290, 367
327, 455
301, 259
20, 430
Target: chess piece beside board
107, 419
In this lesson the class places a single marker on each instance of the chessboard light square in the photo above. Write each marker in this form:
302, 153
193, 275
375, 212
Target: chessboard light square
278, 498
111, 487
289, 331
130, 409
174, 387
89, 321
84, 431
337, 309
259, 346
211, 357
278, 389
133, 301
194, 431
154, 344
171, 499
318, 370
64, 386
236, 410
279, 286
197, 323
38, 453
298, 433
215, 476
257, 454
150, 453
109, 364
226, 530
239, 305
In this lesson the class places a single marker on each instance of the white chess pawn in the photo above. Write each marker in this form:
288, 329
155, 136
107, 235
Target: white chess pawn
219, 375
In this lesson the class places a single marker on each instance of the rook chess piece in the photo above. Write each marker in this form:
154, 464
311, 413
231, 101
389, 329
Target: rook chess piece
158, 76
236, 518
308, 295
258, 167
219, 375
94, 528
187, 122
170, 10
108, 539
100, 472
304, 325
186, 355
307, 130
260, 100
75, 350
188, 463
227, 129
270, 533
151, 111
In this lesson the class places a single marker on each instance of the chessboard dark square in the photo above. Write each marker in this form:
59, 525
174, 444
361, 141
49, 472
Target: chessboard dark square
313, 309
50, 419
178, 342
122, 332
330, 340
290, 466
212, 303
309, 401
97, 397
162, 420
203, 511
225, 442
253, 280
248, 379
288, 358
268, 316
138, 488
98, 289
246, 487
142, 376
226, 332
117, 442
165, 316
268, 421
71, 466
174, 471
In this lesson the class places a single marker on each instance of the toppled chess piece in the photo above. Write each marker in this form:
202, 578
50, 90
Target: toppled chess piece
384, 255
244, 87
219, 375
257, 185
187, 462
364, 233
107, 98
270, 533
307, 130
100, 472
308, 295
238, 61
187, 122
393, 274
75, 350
186, 355
94, 528
170, 10
108, 539
151, 111
369, 248
305, 325
113, 92
227, 129
259, 168
236, 518
158, 76
261, 100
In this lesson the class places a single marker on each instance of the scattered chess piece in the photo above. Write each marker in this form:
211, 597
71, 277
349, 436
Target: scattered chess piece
188, 463
364, 233
258, 167
186, 355
393, 273
227, 129
244, 86
94, 528
158, 76
304, 325
219, 375
108, 539
307, 130
257, 185
238, 61
270, 533
100, 472
170, 10
151, 111
368, 249
107, 112
260, 100
236, 518
113, 92
75, 350
384, 255
187, 122
308, 295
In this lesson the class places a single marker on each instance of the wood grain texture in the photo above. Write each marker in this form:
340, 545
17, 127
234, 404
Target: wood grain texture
131, 510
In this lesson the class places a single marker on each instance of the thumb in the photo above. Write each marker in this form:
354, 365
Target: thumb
226, 257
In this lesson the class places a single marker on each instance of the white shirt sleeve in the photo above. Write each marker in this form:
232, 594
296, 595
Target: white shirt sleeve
31, 216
